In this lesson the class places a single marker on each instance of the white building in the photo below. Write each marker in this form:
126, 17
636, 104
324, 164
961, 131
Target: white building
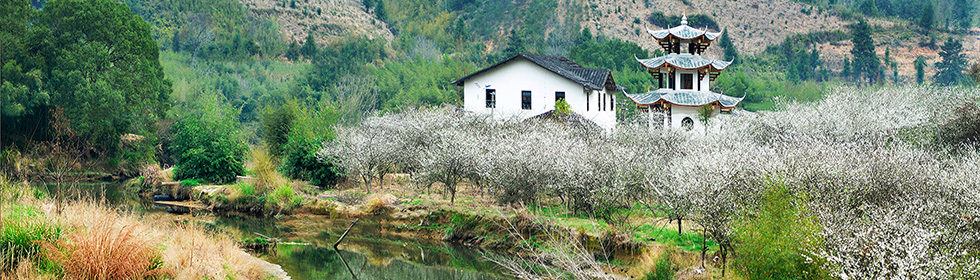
526, 85
684, 79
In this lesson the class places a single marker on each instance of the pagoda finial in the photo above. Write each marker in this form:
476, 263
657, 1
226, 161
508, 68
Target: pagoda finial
684, 19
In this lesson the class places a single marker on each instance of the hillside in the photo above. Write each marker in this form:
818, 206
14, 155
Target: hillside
331, 20
752, 35
328, 19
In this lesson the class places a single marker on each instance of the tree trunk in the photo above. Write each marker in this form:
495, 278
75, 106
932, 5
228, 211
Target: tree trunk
704, 248
678, 227
724, 261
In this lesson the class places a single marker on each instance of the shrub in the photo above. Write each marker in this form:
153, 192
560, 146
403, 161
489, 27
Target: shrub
963, 130
264, 169
301, 140
379, 203
209, 149
665, 269
778, 240
283, 198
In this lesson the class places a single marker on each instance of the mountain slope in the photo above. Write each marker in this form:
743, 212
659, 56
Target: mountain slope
329, 20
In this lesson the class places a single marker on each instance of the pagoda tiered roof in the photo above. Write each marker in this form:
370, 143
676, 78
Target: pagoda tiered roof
683, 32
685, 61
685, 98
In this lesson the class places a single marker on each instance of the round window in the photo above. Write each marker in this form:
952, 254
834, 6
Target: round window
687, 123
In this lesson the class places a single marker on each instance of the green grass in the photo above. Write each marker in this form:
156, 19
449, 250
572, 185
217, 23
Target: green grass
688, 241
23, 230
190, 182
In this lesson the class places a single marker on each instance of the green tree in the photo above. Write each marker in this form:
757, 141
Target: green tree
963, 13
950, 69
292, 52
845, 72
515, 43
928, 16
562, 107
705, 113
920, 69
865, 59
731, 53
103, 68
21, 90
869, 8
309, 49
778, 238
311, 127
208, 146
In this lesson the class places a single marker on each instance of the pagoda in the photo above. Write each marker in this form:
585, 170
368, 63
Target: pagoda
683, 78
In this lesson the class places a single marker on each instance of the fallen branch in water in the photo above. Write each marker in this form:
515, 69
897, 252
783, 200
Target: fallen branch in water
345, 233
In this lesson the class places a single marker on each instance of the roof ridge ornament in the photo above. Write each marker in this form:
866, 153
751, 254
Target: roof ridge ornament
684, 19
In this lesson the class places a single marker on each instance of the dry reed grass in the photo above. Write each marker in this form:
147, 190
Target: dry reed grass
266, 175
379, 203
106, 244
107, 249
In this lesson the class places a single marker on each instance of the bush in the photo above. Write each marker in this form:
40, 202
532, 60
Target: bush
664, 270
283, 198
963, 130
777, 240
209, 149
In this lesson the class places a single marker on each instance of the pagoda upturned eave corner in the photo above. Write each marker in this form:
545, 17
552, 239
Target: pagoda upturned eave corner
684, 77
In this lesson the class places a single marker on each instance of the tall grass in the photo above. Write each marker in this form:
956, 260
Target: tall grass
107, 250
88, 240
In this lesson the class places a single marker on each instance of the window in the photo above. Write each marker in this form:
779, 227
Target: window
687, 81
526, 100
491, 98
587, 97
612, 103
603, 102
559, 95
687, 123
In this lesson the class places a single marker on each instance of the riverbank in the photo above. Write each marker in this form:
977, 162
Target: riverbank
45, 238
630, 247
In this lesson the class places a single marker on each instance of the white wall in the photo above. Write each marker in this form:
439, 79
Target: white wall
518, 75
678, 113
705, 82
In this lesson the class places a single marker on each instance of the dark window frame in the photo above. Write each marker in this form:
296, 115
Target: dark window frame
491, 95
687, 81
526, 100
559, 95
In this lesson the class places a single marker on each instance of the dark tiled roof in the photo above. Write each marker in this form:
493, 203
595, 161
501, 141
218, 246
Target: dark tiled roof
590, 78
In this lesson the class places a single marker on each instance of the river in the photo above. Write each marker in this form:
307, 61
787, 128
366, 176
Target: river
307, 253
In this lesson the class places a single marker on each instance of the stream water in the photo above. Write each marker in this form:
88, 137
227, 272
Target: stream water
307, 252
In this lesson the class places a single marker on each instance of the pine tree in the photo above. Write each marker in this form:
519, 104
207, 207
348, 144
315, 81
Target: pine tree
176, 43
865, 59
515, 43
292, 52
920, 70
846, 72
309, 49
731, 53
950, 70
963, 13
928, 14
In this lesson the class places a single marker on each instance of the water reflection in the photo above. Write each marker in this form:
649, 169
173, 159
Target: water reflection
385, 261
